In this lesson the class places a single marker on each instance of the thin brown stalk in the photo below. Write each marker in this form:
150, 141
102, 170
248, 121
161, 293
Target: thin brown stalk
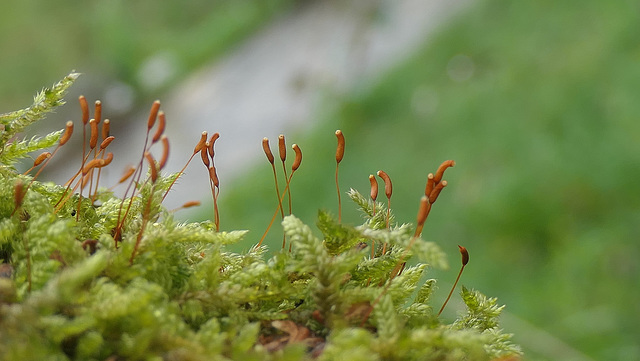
339, 156
283, 157
296, 165
143, 226
271, 159
388, 191
39, 159
465, 260
196, 150
215, 191
63, 139
275, 214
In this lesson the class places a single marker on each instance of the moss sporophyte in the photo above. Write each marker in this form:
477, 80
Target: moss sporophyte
88, 275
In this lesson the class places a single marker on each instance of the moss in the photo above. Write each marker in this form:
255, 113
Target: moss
89, 275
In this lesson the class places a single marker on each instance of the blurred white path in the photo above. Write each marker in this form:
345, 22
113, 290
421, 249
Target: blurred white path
271, 83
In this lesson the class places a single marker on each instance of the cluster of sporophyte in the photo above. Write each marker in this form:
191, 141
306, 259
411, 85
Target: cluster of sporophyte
88, 275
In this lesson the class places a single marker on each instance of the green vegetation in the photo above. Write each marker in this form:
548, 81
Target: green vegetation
86, 275
545, 134
541, 116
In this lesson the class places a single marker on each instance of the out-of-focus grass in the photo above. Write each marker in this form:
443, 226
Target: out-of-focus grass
115, 40
538, 102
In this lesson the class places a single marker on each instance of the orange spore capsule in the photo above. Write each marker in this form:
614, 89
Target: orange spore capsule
191, 204
388, 186
67, 133
84, 106
106, 128
465, 255
374, 187
430, 184
153, 114
340, 148
19, 193
298, 159
212, 142
162, 123
93, 140
204, 155
152, 166
282, 147
94, 163
423, 212
213, 175
107, 160
127, 174
201, 143
165, 151
41, 158
436, 191
267, 149
105, 143
98, 111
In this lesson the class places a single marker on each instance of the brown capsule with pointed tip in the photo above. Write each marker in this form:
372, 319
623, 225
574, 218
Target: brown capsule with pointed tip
204, 155
107, 160
165, 151
374, 187
465, 260
19, 193
423, 212
105, 143
153, 114
201, 143
436, 191
152, 166
94, 163
84, 106
213, 175
340, 149
282, 147
430, 184
41, 158
440, 172
212, 142
98, 111
388, 187
93, 140
162, 123
127, 174
190, 204
106, 128
67, 133
267, 149
465, 255
298, 159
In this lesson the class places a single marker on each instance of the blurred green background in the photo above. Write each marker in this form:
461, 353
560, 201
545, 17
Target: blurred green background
118, 43
537, 101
